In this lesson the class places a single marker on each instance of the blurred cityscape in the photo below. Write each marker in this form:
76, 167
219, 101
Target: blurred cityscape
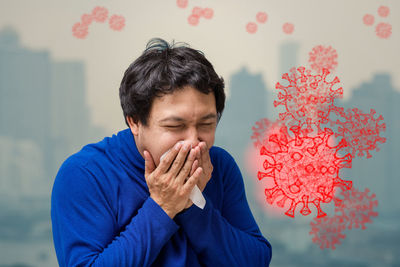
44, 118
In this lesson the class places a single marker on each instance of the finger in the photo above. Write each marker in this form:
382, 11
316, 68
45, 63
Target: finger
149, 165
180, 159
166, 161
192, 181
194, 166
204, 152
185, 171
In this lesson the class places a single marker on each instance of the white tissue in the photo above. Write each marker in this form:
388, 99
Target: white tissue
195, 196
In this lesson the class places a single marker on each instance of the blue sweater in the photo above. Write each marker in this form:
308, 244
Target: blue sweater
102, 214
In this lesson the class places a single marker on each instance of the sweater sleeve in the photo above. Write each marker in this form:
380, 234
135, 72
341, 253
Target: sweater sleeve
230, 236
85, 231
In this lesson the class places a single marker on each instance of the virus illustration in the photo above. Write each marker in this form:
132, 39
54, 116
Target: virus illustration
383, 11
182, 3
100, 14
261, 17
322, 57
80, 30
288, 28
193, 20
327, 231
356, 207
251, 27
368, 19
360, 131
304, 169
263, 129
208, 13
383, 30
117, 22
86, 19
197, 13
308, 99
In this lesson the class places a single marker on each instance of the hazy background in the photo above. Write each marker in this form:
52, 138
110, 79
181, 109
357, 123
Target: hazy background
58, 93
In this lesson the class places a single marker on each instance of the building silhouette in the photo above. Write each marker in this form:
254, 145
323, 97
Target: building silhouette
44, 115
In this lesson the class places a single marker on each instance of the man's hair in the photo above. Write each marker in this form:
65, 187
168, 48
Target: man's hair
161, 69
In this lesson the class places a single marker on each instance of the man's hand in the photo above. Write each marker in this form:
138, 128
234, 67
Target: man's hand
204, 162
166, 183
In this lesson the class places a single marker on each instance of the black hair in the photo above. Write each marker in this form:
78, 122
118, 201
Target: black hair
163, 68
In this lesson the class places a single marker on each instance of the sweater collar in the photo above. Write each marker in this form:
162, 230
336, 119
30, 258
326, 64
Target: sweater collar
130, 154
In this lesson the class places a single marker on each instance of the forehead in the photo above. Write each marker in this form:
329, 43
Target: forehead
186, 103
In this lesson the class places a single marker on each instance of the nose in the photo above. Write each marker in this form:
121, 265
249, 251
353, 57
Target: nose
192, 136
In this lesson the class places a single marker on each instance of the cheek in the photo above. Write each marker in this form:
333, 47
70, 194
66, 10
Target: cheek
164, 143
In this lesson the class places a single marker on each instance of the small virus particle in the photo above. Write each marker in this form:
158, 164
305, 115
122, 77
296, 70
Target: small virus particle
208, 13
193, 20
383, 30
327, 231
251, 27
261, 17
86, 19
263, 129
288, 28
182, 3
360, 130
100, 14
308, 99
80, 30
117, 22
356, 207
322, 57
305, 170
368, 19
383, 11
197, 11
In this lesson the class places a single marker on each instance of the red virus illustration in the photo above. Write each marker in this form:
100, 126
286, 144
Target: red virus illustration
368, 19
251, 27
361, 131
80, 30
208, 13
322, 57
262, 130
383, 11
327, 231
288, 28
308, 98
356, 208
197, 13
86, 19
100, 14
261, 17
182, 3
304, 169
383, 30
117, 22
193, 20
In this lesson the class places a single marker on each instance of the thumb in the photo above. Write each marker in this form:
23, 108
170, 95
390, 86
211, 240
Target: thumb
149, 165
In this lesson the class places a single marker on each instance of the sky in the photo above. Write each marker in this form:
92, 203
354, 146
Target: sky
47, 24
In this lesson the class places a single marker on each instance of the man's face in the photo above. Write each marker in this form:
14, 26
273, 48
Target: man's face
185, 115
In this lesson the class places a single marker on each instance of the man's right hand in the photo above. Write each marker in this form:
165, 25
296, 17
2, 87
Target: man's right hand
166, 183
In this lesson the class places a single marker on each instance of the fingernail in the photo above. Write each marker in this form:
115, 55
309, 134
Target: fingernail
186, 147
178, 145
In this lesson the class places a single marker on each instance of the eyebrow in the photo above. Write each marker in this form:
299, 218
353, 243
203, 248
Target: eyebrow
179, 119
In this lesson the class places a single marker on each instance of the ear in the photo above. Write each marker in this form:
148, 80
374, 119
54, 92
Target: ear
133, 125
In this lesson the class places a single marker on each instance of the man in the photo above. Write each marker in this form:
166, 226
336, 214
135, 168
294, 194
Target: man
116, 203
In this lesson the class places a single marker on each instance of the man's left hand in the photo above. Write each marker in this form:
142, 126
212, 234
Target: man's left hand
203, 161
